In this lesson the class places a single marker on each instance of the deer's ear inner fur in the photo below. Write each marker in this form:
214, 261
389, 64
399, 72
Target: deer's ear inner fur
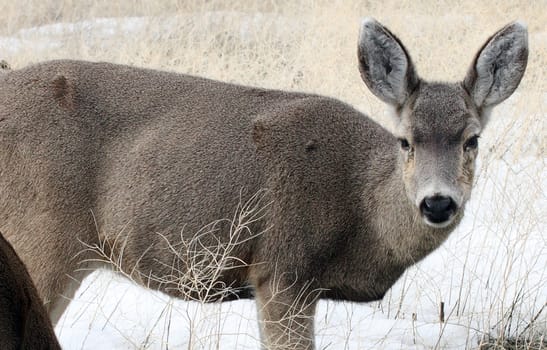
384, 63
499, 66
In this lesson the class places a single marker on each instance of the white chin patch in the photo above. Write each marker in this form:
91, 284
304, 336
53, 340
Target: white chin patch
439, 224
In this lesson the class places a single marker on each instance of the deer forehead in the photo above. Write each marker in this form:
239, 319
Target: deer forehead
440, 113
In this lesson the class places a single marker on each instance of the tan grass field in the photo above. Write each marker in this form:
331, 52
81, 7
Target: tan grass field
313, 47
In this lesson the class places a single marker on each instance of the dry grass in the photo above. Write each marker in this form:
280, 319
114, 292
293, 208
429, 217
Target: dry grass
488, 343
197, 259
311, 48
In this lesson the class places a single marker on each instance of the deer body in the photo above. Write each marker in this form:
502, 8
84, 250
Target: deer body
24, 322
140, 162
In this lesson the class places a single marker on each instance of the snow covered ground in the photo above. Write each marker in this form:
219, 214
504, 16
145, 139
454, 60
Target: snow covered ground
490, 274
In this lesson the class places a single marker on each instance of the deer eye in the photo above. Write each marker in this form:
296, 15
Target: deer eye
472, 143
404, 144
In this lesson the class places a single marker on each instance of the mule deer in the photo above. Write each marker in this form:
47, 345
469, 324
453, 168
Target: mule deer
138, 161
24, 323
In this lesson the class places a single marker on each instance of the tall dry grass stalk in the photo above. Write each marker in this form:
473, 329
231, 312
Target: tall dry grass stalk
198, 262
197, 259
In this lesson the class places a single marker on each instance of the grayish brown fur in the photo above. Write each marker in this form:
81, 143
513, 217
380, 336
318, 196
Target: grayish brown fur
97, 152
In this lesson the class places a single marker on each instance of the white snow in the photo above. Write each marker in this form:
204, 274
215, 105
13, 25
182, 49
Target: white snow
86, 33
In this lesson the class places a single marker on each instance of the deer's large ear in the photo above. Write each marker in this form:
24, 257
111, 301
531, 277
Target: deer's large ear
384, 63
499, 66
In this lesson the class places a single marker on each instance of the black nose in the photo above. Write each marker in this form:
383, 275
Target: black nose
437, 209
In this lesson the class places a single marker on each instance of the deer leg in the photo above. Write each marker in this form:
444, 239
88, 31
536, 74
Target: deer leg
286, 312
